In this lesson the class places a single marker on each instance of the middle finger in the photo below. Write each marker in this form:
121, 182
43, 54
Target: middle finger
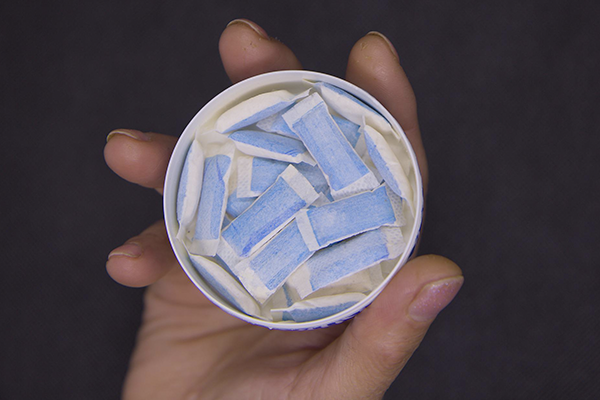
246, 50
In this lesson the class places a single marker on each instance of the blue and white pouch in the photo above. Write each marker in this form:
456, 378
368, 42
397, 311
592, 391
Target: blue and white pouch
265, 271
341, 219
349, 129
271, 145
266, 216
343, 168
190, 187
317, 308
218, 164
225, 285
363, 281
255, 109
257, 174
346, 258
369, 163
387, 164
351, 108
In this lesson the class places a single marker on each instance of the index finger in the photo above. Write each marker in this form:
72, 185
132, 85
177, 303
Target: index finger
246, 50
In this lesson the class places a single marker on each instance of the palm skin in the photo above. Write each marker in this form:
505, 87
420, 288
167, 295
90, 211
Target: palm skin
187, 348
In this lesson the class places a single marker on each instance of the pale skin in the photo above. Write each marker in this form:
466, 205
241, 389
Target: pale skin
187, 348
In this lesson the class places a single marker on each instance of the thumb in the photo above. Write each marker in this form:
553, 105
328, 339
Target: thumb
380, 340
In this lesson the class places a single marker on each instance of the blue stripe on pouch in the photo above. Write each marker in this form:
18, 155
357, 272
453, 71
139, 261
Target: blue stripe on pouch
349, 129
264, 173
350, 216
329, 147
258, 116
280, 257
269, 141
345, 258
314, 175
210, 209
237, 205
382, 166
272, 209
183, 184
311, 314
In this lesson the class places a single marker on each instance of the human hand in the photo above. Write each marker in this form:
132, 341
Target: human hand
188, 348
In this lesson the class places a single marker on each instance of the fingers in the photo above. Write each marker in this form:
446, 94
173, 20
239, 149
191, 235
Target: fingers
246, 50
381, 339
373, 65
139, 157
143, 259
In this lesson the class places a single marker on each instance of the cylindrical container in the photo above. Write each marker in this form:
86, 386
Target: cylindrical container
294, 81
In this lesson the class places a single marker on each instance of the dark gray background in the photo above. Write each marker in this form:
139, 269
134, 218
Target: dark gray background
506, 93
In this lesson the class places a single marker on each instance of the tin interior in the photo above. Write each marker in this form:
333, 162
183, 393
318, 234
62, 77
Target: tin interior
294, 81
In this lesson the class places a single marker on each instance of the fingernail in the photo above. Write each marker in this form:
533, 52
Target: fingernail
387, 41
131, 250
433, 298
132, 133
256, 28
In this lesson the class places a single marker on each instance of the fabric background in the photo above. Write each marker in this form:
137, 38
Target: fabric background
506, 94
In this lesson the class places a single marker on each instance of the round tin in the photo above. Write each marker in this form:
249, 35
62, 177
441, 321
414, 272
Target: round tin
294, 81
